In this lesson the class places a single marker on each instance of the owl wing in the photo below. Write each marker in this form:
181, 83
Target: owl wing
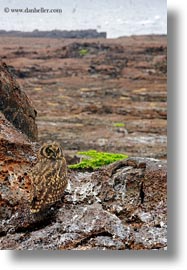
39, 186
49, 182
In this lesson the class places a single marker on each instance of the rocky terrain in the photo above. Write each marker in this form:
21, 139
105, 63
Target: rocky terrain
103, 94
107, 95
121, 206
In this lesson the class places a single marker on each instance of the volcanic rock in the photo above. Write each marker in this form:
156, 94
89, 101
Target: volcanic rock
120, 206
15, 105
108, 95
103, 209
16, 157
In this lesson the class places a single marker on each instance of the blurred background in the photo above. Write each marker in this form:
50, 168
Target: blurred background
117, 18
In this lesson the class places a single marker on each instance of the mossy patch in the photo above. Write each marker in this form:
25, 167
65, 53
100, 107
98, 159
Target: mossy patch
94, 160
118, 124
83, 52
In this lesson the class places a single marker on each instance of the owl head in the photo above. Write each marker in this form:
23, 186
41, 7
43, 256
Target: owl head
51, 151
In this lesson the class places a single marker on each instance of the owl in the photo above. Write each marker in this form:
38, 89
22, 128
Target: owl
48, 177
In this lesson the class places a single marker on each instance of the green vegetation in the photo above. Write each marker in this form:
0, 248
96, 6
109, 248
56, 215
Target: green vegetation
118, 124
83, 52
94, 160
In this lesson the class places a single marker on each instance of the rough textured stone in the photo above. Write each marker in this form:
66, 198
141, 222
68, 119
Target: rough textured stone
82, 97
17, 155
15, 105
121, 206
102, 209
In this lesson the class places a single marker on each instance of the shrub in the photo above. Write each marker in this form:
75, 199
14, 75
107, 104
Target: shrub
94, 160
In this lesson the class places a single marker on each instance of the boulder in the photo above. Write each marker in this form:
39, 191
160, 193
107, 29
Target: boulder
17, 155
15, 105
120, 206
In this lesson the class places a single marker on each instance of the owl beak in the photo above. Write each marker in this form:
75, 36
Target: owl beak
54, 155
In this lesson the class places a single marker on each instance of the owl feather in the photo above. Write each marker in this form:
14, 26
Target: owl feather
49, 177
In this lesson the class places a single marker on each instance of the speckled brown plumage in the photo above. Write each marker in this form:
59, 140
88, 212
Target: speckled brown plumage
48, 176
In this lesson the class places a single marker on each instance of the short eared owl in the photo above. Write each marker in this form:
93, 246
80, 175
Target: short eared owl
49, 177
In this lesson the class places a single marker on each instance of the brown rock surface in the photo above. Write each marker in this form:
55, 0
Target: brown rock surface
81, 89
120, 206
16, 156
15, 105
81, 99
102, 210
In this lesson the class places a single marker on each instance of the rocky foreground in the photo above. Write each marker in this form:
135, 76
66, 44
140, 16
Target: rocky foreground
120, 206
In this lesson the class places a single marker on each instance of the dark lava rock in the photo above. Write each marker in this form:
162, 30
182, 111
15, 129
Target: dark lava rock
17, 155
120, 206
15, 105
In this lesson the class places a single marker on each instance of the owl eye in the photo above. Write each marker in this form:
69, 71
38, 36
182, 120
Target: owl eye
59, 151
49, 151
53, 151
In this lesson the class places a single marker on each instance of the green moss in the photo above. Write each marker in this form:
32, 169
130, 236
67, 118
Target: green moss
83, 52
118, 124
94, 160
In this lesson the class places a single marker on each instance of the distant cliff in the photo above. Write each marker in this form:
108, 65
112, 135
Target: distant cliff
90, 33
